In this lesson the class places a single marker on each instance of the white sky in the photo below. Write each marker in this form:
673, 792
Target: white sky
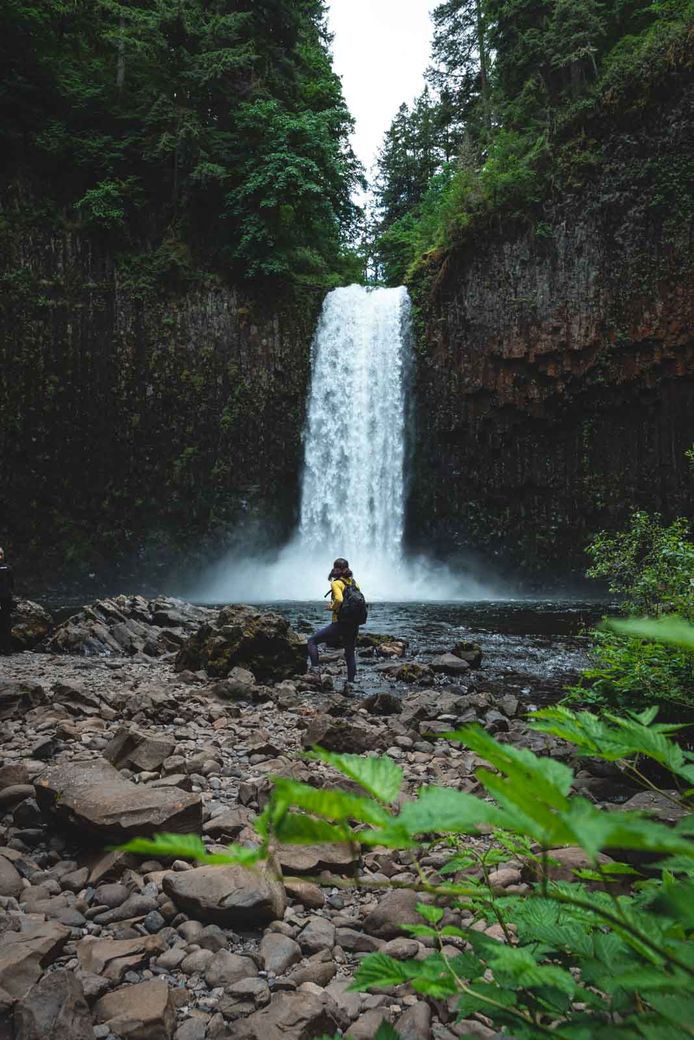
380, 49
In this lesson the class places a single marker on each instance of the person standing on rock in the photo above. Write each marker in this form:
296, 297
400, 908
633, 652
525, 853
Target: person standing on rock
349, 611
6, 603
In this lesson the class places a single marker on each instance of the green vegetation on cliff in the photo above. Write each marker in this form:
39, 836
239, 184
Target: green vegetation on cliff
517, 89
208, 130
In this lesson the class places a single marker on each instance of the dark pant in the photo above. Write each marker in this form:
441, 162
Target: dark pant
5, 626
335, 633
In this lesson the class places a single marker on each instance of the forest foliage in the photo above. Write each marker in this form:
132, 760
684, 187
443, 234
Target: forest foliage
211, 128
504, 120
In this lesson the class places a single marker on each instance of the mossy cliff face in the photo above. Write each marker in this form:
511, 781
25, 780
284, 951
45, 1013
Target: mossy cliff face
138, 424
555, 367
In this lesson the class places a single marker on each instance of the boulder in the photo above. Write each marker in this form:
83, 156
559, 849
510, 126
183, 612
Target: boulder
17, 697
278, 952
94, 797
382, 703
136, 750
449, 664
10, 879
30, 624
144, 1011
24, 954
429, 704
258, 640
54, 1009
230, 896
293, 1016
126, 625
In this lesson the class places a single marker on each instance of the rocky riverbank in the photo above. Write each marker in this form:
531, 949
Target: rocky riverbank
124, 739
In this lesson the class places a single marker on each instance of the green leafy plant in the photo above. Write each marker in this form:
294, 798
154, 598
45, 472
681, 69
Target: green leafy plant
606, 953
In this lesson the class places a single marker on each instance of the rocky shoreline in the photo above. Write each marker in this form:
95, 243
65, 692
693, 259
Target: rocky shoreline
174, 717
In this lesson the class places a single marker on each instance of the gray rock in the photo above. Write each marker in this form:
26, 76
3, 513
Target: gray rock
340, 735
24, 954
278, 952
12, 796
137, 750
113, 957
94, 797
232, 896
415, 1023
17, 698
449, 664
54, 1009
197, 962
31, 623
10, 879
366, 1026
318, 934
299, 1016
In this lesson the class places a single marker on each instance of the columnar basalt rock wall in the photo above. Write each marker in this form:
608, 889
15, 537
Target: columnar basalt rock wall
137, 423
555, 369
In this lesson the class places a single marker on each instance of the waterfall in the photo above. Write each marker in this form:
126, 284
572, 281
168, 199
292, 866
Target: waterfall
352, 500
354, 475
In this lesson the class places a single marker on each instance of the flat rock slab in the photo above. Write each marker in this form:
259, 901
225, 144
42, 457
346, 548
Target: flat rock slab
138, 750
24, 955
449, 664
228, 896
309, 859
94, 797
54, 1009
293, 1016
144, 1011
113, 957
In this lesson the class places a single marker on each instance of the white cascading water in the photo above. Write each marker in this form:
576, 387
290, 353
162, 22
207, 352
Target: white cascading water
353, 489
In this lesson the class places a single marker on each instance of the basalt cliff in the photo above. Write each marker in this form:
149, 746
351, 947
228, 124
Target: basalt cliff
555, 362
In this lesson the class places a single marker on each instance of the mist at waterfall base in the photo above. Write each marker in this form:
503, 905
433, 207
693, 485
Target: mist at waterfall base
355, 469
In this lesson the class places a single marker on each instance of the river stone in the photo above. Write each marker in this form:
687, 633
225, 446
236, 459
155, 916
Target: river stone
415, 1023
24, 954
228, 967
468, 651
395, 909
341, 736
94, 797
138, 751
113, 957
317, 934
54, 1009
144, 1011
293, 1016
278, 952
229, 896
258, 640
449, 664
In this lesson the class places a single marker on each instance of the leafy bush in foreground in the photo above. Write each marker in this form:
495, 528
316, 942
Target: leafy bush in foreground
651, 566
582, 959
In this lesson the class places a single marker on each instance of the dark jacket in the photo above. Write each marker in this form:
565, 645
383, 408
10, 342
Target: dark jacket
6, 581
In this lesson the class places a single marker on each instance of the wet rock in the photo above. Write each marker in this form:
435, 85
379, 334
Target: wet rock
299, 1016
17, 698
260, 641
382, 704
24, 954
278, 952
232, 896
395, 909
31, 624
136, 750
449, 664
141, 1012
94, 797
113, 957
54, 1009
429, 704
468, 651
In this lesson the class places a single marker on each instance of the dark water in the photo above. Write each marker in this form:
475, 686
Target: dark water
532, 648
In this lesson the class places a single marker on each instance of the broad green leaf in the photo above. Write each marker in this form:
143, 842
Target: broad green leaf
190, 846
378, 969
329, 802
432, 914
440, 810
386, 1032
671, 630
381, 776
299, 829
